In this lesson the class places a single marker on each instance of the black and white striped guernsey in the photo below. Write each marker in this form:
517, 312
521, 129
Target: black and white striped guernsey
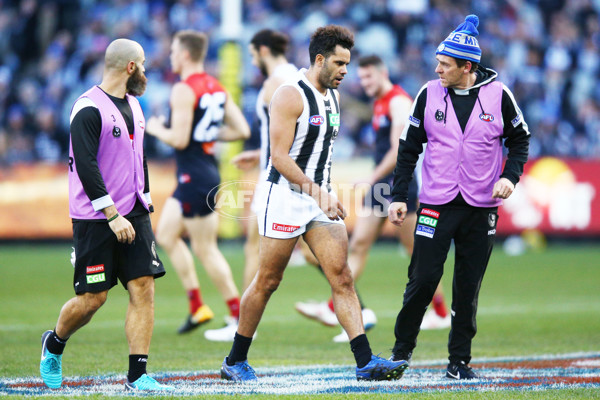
316, 130
286, 72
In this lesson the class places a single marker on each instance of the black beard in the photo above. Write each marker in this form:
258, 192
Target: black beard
325, 80
263, 69
136, 83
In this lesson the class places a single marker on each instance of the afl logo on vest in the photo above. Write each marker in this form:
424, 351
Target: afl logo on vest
486, 117
116, 131
316, 120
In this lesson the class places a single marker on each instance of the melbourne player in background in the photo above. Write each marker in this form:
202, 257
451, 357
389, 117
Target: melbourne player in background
202, 112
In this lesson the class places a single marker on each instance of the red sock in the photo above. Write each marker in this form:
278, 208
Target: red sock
234, 307
195, 300
330, 304
439, 306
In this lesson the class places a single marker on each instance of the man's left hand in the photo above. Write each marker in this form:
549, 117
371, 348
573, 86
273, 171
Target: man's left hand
503, 189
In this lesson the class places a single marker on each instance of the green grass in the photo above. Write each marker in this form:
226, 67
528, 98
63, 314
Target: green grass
544, 395
538, 303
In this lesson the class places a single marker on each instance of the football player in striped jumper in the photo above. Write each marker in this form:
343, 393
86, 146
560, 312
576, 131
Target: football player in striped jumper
268, 48
298, 200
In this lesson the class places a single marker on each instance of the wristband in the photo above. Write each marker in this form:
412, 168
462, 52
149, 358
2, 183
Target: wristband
113, 217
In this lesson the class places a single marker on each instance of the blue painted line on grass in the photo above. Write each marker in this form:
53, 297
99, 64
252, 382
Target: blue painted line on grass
535, 374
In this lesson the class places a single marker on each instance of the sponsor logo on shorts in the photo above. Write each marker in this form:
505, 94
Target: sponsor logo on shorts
334, 119
491, 232
416, 122
316, 120
94, 269
284, 228
155, 263
95, 278
428, 221
423, 230
431, 213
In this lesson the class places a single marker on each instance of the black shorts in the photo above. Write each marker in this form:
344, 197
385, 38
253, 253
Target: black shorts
379, 196
195, 202
100, 259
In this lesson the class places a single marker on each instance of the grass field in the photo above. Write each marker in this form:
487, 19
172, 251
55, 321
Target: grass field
531, 305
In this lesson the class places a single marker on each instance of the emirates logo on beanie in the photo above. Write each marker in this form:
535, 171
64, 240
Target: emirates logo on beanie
462, 43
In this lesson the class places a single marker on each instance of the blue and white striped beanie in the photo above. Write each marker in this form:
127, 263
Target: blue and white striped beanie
461, 43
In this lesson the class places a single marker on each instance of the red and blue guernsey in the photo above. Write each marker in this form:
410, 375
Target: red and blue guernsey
196, 163
382, 121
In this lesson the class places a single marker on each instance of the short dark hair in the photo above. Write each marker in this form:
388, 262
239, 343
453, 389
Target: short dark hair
460, 62
326, 38
373, 60
277, 42
196, 43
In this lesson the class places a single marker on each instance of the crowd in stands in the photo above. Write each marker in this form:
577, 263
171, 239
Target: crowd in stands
546, 51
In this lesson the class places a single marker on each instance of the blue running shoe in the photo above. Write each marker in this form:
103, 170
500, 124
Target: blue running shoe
380, 369
146, 383
241, 371
460, 370
50, 365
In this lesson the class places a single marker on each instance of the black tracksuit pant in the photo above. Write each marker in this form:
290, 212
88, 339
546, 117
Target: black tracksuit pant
473, 230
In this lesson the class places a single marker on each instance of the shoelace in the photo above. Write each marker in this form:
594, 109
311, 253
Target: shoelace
147, 383
248, 370
52, 364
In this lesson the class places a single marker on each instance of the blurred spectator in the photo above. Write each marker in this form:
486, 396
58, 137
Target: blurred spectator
548, 51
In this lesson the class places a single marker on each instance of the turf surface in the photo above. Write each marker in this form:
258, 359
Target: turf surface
536, 304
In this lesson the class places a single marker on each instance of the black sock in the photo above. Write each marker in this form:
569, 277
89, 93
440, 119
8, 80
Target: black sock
239, 350
361, 349
137, 366
55, 344
362, 305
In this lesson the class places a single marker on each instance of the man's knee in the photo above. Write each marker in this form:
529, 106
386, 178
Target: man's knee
141, 288
359, 245
341, 279
269, 282
425, 285
164, 240
93, 301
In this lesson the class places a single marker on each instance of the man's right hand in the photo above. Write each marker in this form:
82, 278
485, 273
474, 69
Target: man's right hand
154, 124
246, 159
331, 206
397, 212
122, 229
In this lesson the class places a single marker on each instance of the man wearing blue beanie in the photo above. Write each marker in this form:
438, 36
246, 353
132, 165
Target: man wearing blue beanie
464, 117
